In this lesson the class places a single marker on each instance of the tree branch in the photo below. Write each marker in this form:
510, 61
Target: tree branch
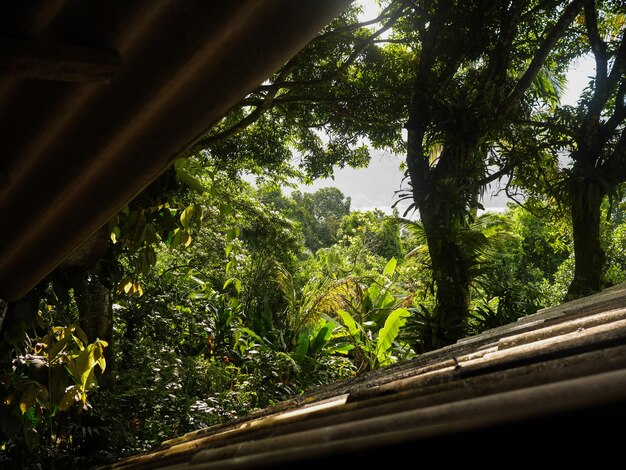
500, 57
271, 90
506, 170
615, 165
545, 125
619, 112
293, 98
619, 67
598, 48
512, 100
384, 14
337, 72
419, 109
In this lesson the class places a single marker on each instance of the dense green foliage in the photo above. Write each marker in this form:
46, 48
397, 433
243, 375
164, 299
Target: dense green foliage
215, 297
247, 316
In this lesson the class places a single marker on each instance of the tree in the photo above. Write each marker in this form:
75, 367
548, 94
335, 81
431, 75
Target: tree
599, 150
476, 62
593, 136
320, 214
455, 73
373, 231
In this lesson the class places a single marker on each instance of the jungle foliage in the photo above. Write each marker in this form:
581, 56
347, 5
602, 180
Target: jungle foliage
210, 297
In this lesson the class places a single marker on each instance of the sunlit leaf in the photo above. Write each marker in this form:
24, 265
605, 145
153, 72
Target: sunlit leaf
190, 180
115, 234
127, 285
390, 268
187, 216
349, 322
389, 332
186, 240
343, 348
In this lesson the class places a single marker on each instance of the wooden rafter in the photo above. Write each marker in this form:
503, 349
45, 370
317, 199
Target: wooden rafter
57, 62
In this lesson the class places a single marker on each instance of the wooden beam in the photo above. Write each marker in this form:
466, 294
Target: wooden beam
57, 62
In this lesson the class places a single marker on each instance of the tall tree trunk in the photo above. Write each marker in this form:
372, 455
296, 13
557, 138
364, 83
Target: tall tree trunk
450, 274
444, 195
95, 309
589, 256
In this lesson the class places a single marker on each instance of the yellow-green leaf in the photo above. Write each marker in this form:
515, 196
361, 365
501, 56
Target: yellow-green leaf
57, 348
187, 216
348, 321
186, 240
390, 268
127, 286
115, 234
177, 237
81, 334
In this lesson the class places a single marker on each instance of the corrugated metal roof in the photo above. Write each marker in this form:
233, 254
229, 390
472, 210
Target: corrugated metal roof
97, 98
553, 383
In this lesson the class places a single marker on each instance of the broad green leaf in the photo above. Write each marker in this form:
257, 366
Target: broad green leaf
81, 334
85, 362
232, 233
56, 349
99, 353
252, 334
143, 262
322, 337
176, 239
349, 322
72, 395
387, 300
187, 215
373, 292
343, 348
181, 163
198, 214
388, 333
190, 180
89, 382
186, 240
390, 268
302, 346
230, 264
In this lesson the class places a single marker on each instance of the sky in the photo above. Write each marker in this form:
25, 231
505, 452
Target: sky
375, 186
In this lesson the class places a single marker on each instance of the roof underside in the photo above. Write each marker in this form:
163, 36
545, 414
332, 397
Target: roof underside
98, 98
553, 383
